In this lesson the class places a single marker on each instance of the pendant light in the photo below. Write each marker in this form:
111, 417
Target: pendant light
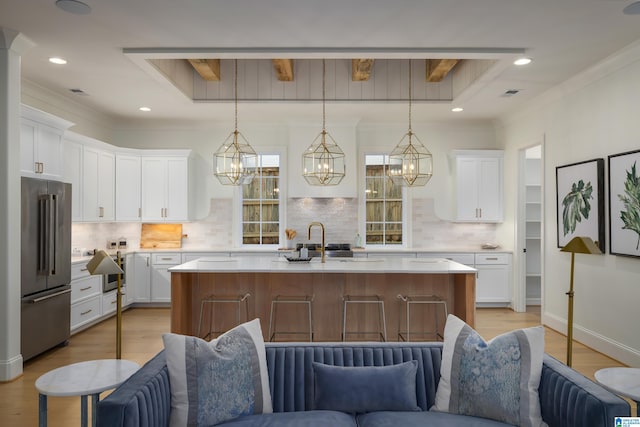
410, 163
235, 161
323, 162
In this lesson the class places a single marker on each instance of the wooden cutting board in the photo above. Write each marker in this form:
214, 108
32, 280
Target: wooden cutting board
161, 236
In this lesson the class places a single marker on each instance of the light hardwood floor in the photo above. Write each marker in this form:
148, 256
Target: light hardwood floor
142, 330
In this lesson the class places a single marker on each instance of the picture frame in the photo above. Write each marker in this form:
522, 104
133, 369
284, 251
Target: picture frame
580, 202
624, 204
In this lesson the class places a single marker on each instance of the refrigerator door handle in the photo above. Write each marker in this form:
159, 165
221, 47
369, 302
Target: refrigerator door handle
57, 294
43, 225
53, 242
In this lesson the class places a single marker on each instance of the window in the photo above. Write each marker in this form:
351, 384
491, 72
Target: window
261, 203
384, 203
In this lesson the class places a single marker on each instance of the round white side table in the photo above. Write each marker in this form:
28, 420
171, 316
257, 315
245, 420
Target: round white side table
83, 379
622, 381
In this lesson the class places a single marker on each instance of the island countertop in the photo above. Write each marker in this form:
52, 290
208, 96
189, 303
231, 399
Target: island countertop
325, 285
332, 265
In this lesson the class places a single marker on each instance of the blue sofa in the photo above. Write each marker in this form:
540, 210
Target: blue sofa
567, 398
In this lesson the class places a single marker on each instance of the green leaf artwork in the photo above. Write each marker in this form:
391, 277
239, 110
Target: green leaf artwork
631, 200
576, 205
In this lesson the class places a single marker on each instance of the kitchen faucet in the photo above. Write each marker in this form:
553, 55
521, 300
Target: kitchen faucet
309, 236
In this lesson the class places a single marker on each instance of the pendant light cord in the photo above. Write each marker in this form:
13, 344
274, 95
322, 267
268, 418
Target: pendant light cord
323, 96
235, 90
409, 98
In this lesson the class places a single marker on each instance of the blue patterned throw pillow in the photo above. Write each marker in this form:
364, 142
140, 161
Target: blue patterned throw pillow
498, 379
213, 382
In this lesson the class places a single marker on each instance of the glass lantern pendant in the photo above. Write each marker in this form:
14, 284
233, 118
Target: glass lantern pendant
410, 163
235, 161
323, 163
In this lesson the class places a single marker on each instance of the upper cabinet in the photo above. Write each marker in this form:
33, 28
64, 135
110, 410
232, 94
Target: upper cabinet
167, 181
479, 185
98, 172
41, 147
300, 138
128, 187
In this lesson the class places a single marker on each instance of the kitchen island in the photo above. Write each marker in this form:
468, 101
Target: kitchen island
266, 277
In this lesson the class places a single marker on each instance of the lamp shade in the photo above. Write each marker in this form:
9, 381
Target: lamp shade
103, 263
581, 245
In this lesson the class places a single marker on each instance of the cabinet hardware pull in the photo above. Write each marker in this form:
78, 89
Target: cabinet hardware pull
84, 269
85, 289
492, 259
147, 261
480, 212
86, 312
139, 212
165, 259
100, 212
113, 302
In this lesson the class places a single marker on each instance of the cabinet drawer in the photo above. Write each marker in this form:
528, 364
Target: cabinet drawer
79, 270
492, 258
85, 288
461, 258
85, 312
167, 258
110, 301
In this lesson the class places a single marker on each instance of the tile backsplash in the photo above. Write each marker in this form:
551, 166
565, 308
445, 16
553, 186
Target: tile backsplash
340, 217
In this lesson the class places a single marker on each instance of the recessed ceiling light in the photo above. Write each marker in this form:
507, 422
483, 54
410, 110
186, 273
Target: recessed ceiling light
522, 61
632, 9
57, 61
457, 109
74, 6
144, 109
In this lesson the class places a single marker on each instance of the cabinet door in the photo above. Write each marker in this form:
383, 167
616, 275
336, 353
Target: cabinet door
161, 283
107, 185
492, 284
141, 277
467, 191
90, 177
128, 182
73, 174
49, 152
490, 189
28, 157
153, 188
177, 207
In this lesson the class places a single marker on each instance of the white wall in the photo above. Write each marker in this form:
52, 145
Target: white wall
592, 115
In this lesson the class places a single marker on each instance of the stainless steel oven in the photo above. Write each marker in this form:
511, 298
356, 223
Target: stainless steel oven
110, 281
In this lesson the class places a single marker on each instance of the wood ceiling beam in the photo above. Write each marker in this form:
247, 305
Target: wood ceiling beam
361, 69
284, 69
437, 69
209, 69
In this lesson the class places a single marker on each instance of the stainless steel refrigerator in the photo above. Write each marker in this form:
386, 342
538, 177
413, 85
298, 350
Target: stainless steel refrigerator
45, 265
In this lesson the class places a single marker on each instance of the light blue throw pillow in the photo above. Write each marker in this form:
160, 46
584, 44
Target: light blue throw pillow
359, 389
213, 382
498, 379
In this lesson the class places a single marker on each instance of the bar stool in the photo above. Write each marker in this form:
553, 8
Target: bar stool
211, 300
364, 299
306, 300
432, 300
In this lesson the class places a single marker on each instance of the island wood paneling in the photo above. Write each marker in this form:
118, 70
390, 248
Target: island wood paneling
189, 289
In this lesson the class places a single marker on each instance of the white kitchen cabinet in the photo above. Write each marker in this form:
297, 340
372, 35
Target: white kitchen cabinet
141, 277
128, 187
41, 144
493, 279
98, 193
166, 188
467, 259
161, 277
130, 285
479, 185
110, 302
86, 294
73, 175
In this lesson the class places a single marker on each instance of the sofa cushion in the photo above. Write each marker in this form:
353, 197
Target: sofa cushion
358, 389
296, 419
230, 371
498, 379
422, 419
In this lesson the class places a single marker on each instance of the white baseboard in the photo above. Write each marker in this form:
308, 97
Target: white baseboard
534, 301
10, 369
615, 350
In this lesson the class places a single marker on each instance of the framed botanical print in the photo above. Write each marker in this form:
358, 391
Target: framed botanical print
580, 201
624, 203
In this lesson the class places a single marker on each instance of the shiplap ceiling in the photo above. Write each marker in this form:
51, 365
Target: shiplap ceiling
109, 51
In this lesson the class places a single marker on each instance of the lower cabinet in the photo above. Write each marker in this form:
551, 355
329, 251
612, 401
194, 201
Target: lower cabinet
492, 282
86, 294
160, 275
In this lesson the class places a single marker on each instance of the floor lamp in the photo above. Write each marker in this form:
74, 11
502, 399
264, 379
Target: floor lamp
577, 245
102, 263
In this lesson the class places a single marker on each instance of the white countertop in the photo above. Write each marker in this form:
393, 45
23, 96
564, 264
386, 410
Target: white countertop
332, 265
